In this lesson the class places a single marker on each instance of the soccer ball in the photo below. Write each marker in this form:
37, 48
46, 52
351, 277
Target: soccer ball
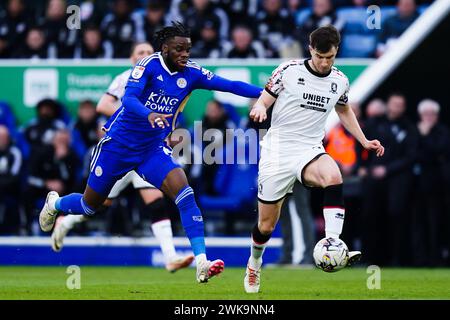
330, 254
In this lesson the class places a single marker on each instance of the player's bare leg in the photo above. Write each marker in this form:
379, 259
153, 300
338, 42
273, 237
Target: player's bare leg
324, 173
162, 229
176, 186
268, 215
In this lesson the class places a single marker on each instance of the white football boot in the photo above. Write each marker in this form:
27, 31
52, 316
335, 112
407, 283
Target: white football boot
208, 269
252, 279
48, 214
353, 257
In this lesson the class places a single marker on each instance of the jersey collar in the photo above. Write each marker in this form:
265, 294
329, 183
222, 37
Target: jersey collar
320, 75
165, 66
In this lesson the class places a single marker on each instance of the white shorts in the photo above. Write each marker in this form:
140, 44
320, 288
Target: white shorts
277, 173
130, 177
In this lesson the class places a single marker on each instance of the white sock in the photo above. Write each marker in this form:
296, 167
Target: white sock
163, 233
71, 220
257, 251
334, 221
200, 258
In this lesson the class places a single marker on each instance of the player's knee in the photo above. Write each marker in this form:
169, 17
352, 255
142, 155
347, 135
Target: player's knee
329, 179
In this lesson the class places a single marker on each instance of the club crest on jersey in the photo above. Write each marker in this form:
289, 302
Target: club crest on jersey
333, 87
98, 171
181, 83
138, 71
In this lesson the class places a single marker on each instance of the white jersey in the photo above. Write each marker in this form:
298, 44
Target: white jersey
304, 101
117, 86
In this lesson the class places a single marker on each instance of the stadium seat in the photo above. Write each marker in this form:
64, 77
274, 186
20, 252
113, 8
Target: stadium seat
355, 20
358, 46
301, 16
235, 185
386, 12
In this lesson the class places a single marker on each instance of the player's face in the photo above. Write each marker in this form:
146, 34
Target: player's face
176, 52
141, 51
322, 62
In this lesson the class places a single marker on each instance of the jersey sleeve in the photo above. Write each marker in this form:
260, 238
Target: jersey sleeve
205, 79
274, 85
117, 88
140, 74
343, 100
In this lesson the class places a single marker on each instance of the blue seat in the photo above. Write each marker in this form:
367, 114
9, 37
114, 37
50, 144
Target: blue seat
235, 184
302, 15
386, 12
355, 20
358, 46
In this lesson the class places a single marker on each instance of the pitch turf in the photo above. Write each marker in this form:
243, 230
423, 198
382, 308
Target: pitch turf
157, 284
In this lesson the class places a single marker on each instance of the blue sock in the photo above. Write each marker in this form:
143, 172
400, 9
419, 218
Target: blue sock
74, 204
192, 219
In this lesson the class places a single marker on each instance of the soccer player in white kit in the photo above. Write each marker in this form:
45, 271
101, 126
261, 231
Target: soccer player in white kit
152, 197
302, 93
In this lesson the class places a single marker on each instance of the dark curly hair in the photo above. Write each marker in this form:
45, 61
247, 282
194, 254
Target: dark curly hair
177, 29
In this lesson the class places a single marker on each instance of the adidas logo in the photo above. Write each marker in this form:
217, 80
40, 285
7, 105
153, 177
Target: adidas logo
160, 77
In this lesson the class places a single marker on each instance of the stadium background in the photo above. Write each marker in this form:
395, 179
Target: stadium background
71, 80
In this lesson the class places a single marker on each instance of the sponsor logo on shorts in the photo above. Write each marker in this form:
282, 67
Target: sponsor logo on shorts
260, 188
197, 218
98, 171
339, 215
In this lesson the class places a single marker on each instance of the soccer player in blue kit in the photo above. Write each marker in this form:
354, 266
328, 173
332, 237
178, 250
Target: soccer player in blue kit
157, 91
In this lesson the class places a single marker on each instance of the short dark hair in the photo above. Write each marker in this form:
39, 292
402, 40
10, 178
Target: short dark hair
324, 38
177, 29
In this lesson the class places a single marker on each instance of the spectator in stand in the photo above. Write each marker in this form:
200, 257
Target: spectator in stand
217, 120
40, 131
205, 10
387, 187
14, 24
275, 25
429, 204
154, 20
243, 46
209, 44
323, 13
35, 46
53, 167
121, 29
375, 108
54, 24
240, 12
92, 46
394, 26
10, 166
84, 129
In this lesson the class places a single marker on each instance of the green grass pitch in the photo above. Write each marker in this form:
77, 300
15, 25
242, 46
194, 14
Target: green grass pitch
157, 284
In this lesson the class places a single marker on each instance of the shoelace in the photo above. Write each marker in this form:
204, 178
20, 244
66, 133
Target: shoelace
252, 277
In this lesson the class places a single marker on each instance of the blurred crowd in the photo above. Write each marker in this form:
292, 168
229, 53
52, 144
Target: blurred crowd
398, 206
220, 28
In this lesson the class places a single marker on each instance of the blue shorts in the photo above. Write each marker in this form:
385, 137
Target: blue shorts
111, 160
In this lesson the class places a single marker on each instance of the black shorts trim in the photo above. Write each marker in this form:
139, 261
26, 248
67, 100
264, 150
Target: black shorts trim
310, 161
275, 201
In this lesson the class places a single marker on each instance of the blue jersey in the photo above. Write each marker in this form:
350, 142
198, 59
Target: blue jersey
152, 87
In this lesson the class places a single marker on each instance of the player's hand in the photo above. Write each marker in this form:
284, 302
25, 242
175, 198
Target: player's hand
160, 119
374, 145
258, 113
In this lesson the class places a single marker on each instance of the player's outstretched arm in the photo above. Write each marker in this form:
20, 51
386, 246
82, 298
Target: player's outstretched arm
258, 113
349, 121
240, 88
